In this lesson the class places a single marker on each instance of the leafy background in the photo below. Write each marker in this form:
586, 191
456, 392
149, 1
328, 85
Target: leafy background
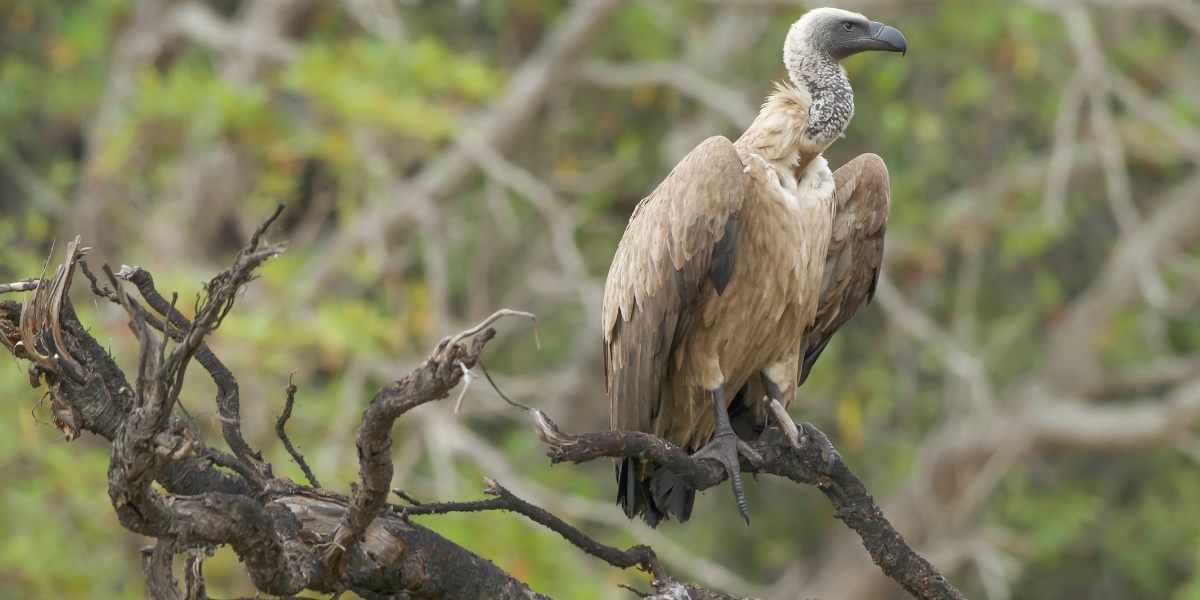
1030, 145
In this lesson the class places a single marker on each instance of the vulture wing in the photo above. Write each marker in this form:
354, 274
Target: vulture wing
681, 237
862, 202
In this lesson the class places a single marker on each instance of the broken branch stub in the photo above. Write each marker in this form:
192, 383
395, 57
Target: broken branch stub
291, 537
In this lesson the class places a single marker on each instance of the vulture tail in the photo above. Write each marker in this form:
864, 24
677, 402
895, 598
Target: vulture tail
670, 495
654, 497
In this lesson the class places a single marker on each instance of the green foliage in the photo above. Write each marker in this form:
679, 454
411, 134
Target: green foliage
405, 88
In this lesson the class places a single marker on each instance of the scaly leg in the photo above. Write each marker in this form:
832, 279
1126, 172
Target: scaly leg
724, 448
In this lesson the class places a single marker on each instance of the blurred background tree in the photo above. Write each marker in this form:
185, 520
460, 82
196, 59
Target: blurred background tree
1022, 397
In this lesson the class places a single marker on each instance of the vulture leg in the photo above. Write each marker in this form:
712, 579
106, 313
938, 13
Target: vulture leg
724, 447
785, 423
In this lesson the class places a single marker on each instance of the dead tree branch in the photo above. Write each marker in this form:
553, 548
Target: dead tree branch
283, 437
637, 556
805, 464
431, 381
291, 537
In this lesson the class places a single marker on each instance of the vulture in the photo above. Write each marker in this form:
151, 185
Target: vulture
733, 274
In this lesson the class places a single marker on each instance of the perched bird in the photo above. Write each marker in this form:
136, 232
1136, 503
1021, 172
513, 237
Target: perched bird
735, 271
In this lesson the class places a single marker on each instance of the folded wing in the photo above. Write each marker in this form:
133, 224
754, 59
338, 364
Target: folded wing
862, 202
680, 239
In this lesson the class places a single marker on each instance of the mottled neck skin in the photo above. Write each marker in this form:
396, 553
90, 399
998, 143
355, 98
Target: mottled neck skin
832, 99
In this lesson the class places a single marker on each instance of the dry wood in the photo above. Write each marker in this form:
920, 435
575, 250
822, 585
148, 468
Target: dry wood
293, 537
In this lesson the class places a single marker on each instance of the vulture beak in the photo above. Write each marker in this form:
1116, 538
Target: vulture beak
887, 38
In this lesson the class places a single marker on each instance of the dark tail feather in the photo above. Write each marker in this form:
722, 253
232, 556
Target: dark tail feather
633, 494
671, 495
655, 497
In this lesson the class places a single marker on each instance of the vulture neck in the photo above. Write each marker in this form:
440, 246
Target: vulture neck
825, 81
798, 122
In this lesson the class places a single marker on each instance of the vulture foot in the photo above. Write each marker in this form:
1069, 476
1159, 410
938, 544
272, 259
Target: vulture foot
745, 449
724, 448
827, 452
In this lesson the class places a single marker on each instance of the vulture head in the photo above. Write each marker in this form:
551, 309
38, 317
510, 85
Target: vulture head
837, 34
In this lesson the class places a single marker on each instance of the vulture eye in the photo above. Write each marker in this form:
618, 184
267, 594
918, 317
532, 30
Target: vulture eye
848, 26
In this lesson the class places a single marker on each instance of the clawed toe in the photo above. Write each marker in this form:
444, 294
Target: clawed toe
831, 457
828, 453
745, 449
724, 448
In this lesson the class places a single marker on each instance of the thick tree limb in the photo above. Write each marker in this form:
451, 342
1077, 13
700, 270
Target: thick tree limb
431, 381
150, 438
156, 566
277, 535
806, 464
293, 538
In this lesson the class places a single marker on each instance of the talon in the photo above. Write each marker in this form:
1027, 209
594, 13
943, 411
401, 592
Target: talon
831, 458
723, 448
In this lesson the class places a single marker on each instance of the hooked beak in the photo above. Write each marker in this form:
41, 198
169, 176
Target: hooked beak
887, 38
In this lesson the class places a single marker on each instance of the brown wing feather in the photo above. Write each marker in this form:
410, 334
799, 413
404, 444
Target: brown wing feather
677, 238
862, 202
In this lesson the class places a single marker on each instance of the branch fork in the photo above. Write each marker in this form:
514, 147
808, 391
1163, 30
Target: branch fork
291, 537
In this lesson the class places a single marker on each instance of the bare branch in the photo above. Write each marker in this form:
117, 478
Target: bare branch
919, 325
24, 285
528, 88
725, 101
639, 556
1058, 169
1071, 361
504, 312
222, 291
277, 531
1186, 11
430, 381
287, 443
852, 504
1141, 105
156, 566
150, 439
